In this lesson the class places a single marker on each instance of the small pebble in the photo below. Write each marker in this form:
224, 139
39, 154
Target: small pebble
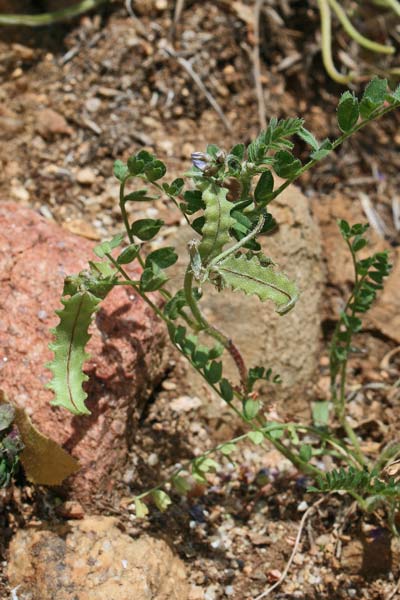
302, 506
93, 104
20, 193
86, 176
46, 212
168, 385
152, 461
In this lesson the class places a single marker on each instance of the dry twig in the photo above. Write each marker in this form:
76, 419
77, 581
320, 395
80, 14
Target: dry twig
257, 65
394, 592
294, 551
139, 25
179, 5
189, 69
373, 217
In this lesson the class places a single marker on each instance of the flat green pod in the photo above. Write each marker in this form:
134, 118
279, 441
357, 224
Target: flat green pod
218, 221
254, 278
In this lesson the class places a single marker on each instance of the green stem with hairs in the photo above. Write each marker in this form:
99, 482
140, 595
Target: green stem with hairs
375, 115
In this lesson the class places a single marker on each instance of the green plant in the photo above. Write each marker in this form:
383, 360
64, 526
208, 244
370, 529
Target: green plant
326, 8
51, 17
227, 208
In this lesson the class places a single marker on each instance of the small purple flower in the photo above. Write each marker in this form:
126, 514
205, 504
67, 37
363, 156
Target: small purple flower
201, 160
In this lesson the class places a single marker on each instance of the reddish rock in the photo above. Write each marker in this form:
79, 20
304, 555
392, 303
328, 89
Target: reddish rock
125, 348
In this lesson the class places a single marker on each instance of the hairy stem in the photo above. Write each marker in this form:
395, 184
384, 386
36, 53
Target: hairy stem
212, 331
235, 247
374, 116
339, 401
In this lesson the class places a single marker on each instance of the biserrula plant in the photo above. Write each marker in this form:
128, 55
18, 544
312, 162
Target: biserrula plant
226, 203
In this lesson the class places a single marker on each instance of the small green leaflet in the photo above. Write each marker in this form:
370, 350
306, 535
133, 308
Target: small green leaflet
128, 254
374, 96
155, 170
218, 221
256, 437
162, 257
106, 247
141, 509
213, 372
320, 413
348, 111
264, 188
71, 337
120, 170
308, 137
227, 448
253, 278
226, 390
181, 484
251, 408
161, 500
305, 452
285, 164
146, 229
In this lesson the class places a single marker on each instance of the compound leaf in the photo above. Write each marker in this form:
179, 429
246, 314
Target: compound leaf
71, 337
253, 278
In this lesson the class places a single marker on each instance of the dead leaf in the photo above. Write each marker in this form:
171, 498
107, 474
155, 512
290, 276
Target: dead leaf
44, 461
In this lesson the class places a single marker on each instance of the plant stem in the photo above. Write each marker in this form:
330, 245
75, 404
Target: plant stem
173, 199
235, 247
375, 115
51, 17
340, 402
123, 209
215, 449
393, 4
125, 216
355, 34
213, 331
326, 43
135, 286
295, 460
